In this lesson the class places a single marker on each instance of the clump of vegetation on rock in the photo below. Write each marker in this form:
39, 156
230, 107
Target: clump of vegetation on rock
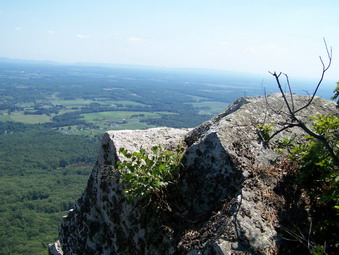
319, 176
145, 173
264, 132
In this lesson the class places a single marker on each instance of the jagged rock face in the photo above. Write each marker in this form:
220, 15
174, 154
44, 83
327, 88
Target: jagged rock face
102, 221
221, 203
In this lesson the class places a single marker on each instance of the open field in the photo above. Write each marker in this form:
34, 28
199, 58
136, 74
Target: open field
106, 116
82, 102
74, 102
133, 125
117, 116
5, 117
210, 107
125, 103
118, 120
25, 118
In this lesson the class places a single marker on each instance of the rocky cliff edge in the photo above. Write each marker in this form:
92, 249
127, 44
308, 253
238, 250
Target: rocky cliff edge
225, 201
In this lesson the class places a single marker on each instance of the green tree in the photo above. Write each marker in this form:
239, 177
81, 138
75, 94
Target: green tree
336, 94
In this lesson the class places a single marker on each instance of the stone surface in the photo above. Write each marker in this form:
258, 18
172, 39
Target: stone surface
223, 203
55, 249
102, 222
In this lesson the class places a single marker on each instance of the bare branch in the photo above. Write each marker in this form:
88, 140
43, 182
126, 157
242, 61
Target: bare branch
268, 106
289, 88
294, 121
325, 68
283, 95
321, 138
309, 235
287, 126
297, 237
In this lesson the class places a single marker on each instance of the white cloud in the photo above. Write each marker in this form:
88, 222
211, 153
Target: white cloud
50, 31
83, 36
134, 39
18, 28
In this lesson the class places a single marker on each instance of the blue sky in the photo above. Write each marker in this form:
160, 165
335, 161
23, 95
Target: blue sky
239, 35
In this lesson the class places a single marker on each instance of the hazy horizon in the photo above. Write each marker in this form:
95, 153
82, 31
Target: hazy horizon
209, 77
238, 36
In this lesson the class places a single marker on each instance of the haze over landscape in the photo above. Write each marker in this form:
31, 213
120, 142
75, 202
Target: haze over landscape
244, 36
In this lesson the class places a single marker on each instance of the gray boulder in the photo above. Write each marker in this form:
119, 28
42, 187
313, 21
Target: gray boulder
223, 203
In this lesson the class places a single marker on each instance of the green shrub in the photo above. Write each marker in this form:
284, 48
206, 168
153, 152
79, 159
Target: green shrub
285, 144
336, 94
145, 173
264, 132
318, 250
319, 177
316, 162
